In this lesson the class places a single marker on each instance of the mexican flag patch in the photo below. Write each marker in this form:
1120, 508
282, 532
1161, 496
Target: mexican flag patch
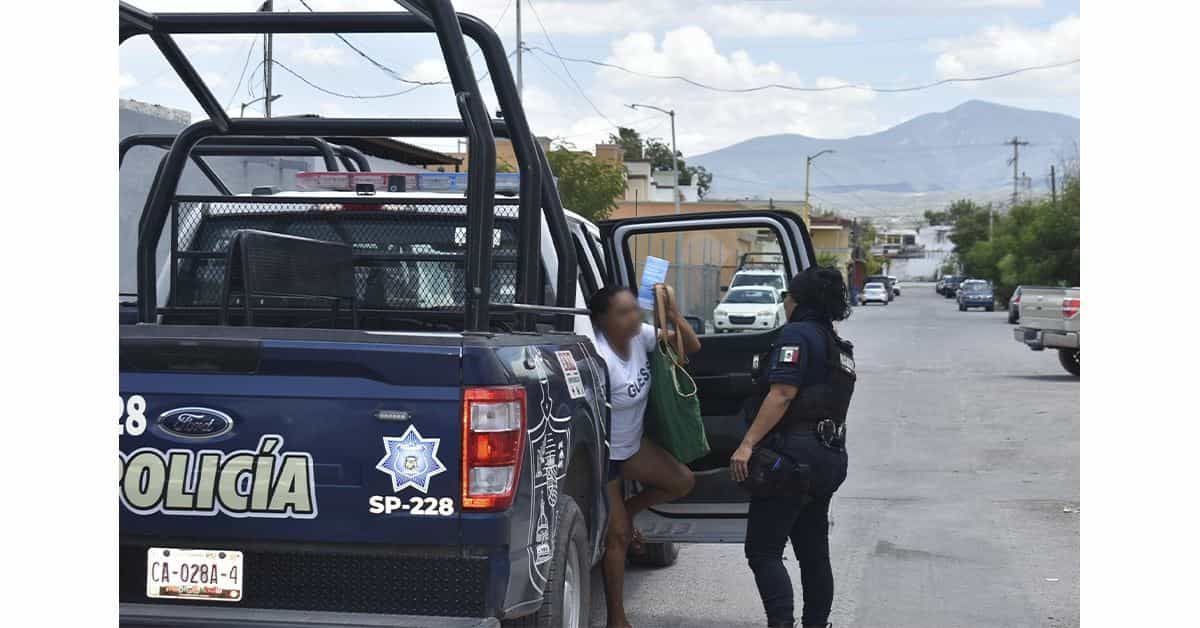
789, 355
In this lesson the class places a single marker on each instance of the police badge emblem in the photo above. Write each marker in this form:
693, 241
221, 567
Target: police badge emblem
410, 460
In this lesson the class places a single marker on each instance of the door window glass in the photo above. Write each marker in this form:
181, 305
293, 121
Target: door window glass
726, 280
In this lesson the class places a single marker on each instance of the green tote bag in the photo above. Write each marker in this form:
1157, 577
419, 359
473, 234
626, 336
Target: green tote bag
673, 413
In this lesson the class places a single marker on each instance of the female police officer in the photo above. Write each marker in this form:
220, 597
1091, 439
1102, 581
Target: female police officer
793, 457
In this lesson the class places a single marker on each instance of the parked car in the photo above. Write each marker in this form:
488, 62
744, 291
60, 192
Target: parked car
874, 292
758, 279
883, 279
895, 285
976, 293
1014, 307
745, 308
950, 284
1050, 320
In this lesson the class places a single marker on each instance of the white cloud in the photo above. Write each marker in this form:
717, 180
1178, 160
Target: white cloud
321, 55
213, 79
750, 20
126, 81
1001, 48
706, 120
428, 70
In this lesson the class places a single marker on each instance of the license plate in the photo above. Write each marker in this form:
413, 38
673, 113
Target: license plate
194, 574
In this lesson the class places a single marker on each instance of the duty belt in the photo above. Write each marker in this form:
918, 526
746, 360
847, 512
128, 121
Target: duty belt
827, 430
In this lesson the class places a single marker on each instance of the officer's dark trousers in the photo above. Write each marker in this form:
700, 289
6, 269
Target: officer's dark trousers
775, 520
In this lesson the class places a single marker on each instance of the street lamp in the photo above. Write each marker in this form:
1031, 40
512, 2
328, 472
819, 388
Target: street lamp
807, 167
675, 188
273, 98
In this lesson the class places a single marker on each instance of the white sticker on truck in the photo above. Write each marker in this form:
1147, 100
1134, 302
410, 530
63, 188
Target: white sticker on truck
571, 374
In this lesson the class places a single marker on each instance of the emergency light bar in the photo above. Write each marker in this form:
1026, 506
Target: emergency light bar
506, 183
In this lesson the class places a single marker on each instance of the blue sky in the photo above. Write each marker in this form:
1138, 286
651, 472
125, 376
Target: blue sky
883, 43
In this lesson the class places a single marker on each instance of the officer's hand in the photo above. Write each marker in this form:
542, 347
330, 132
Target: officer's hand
740, 462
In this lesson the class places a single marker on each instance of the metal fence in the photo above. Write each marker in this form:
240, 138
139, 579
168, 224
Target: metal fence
697, 288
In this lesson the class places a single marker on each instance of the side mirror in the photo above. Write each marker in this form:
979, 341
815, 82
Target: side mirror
697, 324
724, 288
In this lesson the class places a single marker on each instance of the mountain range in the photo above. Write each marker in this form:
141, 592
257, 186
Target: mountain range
960, 152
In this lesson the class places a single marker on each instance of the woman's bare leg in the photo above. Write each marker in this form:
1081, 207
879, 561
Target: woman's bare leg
617, 544
663, 477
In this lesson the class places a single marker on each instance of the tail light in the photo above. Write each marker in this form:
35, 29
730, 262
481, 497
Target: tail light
1016, 299
1070, 308
493, 436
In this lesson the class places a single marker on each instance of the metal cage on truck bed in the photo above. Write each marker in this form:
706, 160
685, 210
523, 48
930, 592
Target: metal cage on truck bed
409, 254
537, 198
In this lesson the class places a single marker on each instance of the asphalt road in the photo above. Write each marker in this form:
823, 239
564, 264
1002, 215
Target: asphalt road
962, 504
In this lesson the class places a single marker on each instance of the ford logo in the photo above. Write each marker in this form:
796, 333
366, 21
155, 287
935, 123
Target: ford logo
195, 422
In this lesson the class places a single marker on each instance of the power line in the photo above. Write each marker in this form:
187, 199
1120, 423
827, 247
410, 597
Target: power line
246, 64
799, 88
339, 94
564, 66
385, 69
331, 92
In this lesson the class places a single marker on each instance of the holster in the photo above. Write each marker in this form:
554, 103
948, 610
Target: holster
772, 474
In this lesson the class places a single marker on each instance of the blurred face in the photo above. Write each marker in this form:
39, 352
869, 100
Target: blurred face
623, 320
788, 305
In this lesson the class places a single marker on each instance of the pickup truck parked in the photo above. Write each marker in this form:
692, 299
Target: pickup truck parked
1050, 320
386, 408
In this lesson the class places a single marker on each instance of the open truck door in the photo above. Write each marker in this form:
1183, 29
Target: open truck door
704, 250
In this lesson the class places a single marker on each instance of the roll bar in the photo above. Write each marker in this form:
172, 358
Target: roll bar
351, 158
437, 16
282, 146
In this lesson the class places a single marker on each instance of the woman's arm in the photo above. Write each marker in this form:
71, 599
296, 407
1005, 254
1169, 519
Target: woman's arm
769, 414
691, 343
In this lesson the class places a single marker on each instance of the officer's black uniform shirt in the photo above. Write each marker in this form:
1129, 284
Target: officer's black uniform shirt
798, 357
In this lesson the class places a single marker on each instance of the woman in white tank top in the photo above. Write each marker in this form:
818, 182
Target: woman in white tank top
624, 341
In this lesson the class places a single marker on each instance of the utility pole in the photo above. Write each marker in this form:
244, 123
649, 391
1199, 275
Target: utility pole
1016, 143
675, 189
807, 170
267, 6
1053, 187
520, 50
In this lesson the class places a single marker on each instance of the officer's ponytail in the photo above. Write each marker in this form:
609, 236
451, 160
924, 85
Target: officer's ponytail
821, 290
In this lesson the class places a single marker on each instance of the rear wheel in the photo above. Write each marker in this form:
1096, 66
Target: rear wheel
962, 308
1012, 317
991, 308
1069, 358
567, 601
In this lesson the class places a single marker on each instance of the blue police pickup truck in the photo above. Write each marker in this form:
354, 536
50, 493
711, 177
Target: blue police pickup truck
360, 405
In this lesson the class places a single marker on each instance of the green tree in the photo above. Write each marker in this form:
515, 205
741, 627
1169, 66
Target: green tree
827, 258
701, 177
630, 142
588, 186
659, 155
1034, 243
937, 218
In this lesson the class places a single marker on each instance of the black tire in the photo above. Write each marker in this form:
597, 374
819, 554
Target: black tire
1012, 317
962, 308
1069, 358
657, 555
570, 572
991, 308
